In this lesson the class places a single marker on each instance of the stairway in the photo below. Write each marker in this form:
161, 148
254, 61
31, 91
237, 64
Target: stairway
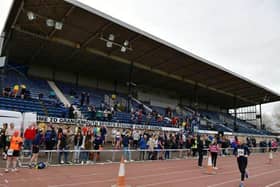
63, 99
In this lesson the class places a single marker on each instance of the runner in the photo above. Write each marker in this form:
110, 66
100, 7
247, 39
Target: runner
242, 152
14, 151
214, 149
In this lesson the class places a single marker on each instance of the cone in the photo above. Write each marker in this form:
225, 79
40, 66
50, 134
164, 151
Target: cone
121, 177
209, 170
270, 157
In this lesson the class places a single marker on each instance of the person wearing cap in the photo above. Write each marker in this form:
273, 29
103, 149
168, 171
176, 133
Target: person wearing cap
14, 151
35, 147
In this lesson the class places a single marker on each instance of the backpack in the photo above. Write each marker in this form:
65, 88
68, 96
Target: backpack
40, 165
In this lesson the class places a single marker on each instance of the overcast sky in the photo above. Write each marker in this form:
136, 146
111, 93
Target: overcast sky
242, 36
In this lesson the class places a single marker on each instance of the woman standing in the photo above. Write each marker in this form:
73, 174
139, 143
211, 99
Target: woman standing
214, 149
242, 152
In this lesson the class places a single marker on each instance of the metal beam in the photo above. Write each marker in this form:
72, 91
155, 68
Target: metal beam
50, 35
70, 10
87, 41
6, 41
165, 61
235, 90
125, 61
146, 53
224, 80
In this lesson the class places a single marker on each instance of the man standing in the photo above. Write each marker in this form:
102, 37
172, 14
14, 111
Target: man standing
200, 147
35, 147
29, 135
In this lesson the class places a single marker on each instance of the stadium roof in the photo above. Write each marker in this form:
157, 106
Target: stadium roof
80, 46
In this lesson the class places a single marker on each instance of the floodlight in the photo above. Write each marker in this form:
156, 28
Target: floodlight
109, 44
58, 25
111, 37
31, 16
123, 49
125, 43
50, 22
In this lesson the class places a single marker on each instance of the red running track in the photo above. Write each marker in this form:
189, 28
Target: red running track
175, 173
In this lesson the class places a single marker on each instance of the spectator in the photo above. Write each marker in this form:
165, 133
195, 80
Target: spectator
72, 92
6, 91
29, 135
118, 139
50, 140
71, 112
151, 146
97, 145
88, 99
15, 90
3, 140
167, 146
126, 147
9, 133
103, 131
40, 96
13, 151
136, 137
62, 146
52, 94
200, 147
78, 141
143, 147
35, 147
83, 95
23, 91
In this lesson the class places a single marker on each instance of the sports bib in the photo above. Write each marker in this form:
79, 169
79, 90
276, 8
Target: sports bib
10, 152
240, 152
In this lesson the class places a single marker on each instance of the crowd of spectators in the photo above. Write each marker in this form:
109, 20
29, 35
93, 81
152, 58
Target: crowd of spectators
151, 145
16, 91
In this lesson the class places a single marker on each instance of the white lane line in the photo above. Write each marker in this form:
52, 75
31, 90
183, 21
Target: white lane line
236, 180
273, 184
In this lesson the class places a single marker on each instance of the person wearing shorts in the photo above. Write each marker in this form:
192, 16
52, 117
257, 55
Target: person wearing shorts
14, 151
35, 147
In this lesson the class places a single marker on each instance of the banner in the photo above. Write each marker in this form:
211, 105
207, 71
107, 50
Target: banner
68, 121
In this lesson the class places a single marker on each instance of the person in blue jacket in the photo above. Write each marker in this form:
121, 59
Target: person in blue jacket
242, 153
143, 147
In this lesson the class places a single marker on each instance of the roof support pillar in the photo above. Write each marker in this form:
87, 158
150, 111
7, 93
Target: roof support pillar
130, 86
235, 116
261, 122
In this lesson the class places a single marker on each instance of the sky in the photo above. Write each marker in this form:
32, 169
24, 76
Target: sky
242, 36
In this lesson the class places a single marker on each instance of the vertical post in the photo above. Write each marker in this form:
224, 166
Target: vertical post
115, 86
129, 87
235, 116
77, 80
261, 123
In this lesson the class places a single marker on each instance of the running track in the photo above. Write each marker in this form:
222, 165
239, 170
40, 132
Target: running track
179, 173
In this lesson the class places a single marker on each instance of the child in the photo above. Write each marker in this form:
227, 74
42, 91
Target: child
214, 149
242, 152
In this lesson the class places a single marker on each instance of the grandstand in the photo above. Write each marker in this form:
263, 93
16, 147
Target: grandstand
80, 49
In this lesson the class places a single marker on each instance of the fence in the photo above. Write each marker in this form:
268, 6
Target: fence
54, 157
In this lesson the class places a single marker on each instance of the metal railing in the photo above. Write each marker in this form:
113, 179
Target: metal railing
54, 157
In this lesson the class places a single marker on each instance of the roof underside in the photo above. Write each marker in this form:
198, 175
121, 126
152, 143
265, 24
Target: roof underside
78, 47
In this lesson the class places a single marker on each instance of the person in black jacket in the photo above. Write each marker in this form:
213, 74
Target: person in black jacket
200, 146
242, 152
